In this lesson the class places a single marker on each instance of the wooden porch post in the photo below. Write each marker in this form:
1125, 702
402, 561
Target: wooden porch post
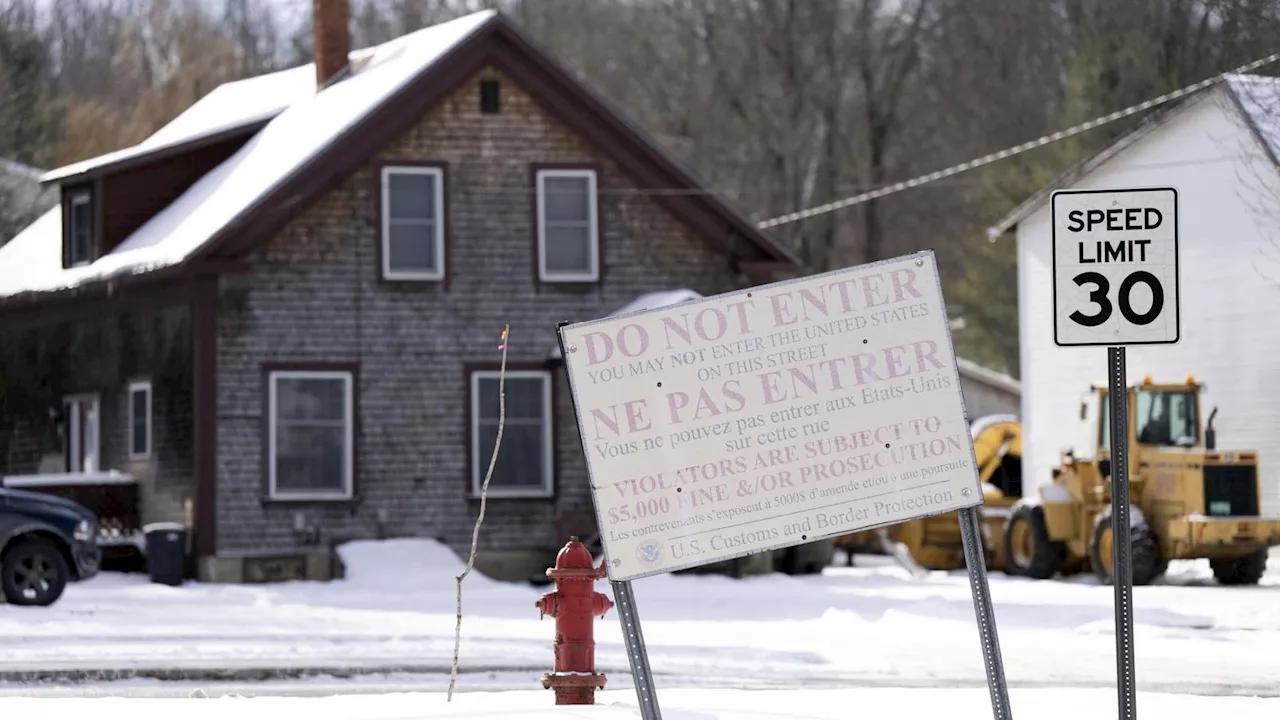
204, 400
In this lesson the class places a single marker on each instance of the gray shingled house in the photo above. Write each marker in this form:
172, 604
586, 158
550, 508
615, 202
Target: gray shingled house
277, 316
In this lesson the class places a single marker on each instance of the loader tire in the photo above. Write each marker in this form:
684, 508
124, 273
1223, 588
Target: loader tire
1247, 570
1144, 554
1028, 551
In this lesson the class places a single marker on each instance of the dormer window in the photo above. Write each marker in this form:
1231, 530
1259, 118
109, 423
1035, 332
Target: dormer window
79, 228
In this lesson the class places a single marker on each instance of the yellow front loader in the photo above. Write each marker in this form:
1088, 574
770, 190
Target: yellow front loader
934, 542
1188, 499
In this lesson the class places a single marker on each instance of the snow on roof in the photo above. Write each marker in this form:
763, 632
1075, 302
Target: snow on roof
1259, 98
653, 300
981, 373
32, 261
35, 255
648, 301
229, 106
239, 103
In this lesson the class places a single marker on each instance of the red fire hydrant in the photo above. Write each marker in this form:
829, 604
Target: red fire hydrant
575, 604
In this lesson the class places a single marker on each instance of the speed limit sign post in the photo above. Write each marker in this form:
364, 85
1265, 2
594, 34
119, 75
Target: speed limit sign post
1115, 283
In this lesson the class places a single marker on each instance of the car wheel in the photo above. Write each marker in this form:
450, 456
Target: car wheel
33, 573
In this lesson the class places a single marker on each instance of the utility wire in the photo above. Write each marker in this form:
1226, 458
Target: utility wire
1010, 152
531, 191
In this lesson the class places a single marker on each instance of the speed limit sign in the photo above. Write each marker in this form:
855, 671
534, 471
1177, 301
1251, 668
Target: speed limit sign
1115, 267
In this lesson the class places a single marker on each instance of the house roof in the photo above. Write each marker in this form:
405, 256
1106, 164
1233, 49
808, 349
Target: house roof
1256, 96
242, 105
987, 376
314, 137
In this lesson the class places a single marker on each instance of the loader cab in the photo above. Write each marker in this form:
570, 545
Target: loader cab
1160, 416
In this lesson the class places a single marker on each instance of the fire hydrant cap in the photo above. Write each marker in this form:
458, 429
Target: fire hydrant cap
574, 555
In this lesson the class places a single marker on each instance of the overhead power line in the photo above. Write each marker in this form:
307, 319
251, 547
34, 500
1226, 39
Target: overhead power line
1011, 151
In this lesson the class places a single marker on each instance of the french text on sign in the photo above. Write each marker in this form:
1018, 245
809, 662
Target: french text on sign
1115, 267
771, 417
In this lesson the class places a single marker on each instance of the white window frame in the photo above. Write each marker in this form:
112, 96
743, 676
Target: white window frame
348, 488
134, 387
480, 465
388, 172
91, 460
593, 237
80, 197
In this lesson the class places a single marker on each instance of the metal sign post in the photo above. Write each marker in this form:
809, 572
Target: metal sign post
637, 656
1121, 565
992, 660
629, 617
1116, 283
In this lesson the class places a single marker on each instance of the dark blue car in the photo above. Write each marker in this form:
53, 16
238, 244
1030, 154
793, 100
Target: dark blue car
45, 542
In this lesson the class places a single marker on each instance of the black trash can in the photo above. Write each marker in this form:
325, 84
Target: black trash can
166, 552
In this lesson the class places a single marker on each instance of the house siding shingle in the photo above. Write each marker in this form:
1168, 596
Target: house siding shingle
314, 293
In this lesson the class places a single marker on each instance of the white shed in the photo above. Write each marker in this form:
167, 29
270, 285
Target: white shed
1219, 148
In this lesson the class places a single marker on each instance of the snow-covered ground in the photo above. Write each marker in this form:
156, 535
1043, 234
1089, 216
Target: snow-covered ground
872, 625
676, 705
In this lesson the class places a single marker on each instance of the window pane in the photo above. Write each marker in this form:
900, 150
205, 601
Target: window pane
81, 218
566, 198
568, 249
310, 399
413, 196
138, 419
524, 398
310, 458
1166, 418
412, 247
520, 460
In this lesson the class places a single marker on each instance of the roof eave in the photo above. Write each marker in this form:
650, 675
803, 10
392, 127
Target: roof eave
269, 212
994, 378
499, 43
1028, 207
165, 285
163, 152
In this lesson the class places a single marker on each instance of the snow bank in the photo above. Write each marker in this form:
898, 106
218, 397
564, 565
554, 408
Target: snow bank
397, 610
407, 565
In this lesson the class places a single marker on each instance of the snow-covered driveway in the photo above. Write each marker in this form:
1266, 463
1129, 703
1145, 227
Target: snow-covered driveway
871, 625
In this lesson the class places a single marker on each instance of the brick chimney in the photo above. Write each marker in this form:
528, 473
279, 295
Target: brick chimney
330, 37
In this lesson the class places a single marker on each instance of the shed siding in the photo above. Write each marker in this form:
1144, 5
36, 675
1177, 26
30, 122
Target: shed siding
982, 399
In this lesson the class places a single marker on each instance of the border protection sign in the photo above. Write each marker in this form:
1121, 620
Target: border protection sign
771, 417
1115, 267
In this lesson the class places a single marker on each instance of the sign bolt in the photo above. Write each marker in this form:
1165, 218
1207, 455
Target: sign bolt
573, 348
966, 492
919, 263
